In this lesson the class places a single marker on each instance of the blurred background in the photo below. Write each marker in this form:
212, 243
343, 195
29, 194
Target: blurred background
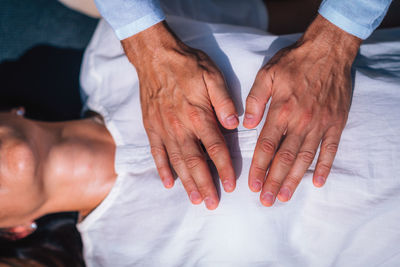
41, 47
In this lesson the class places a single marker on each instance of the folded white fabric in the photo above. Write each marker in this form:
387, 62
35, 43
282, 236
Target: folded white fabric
352, 221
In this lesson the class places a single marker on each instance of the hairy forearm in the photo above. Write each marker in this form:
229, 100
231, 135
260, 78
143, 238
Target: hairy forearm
151, 43
330, 39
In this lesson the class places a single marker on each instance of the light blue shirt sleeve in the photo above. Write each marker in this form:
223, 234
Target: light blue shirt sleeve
357, 17
128, 17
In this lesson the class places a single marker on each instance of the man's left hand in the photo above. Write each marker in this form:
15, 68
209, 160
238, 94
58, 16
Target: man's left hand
309, 85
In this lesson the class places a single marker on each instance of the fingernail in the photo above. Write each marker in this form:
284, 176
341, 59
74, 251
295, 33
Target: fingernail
232, 120
285, 193
248, 118
256, 186
228, 186
195, 197
319, 181
210, 203
168, 183
267, 198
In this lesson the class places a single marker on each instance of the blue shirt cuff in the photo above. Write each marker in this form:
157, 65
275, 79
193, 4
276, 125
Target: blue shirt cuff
140, 24
343, 22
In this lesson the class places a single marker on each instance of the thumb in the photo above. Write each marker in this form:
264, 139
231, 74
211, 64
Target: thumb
258, 98
221, 101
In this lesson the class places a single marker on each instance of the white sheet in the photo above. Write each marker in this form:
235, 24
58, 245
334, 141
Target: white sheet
354, 220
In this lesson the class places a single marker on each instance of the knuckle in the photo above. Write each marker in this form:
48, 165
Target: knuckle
267, 146
260, 169
193, 161
274, 182
252, 100
337, 121
324, 167
175, 158
215, 149
174, 122
334, 118
157, 150
306, 117
194, 115
293, 180
306, 156
325, 121
331, 147
224, 101
286, 157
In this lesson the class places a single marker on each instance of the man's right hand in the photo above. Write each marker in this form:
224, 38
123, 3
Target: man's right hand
181, 90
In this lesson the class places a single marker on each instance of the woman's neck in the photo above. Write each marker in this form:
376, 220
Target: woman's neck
79, 167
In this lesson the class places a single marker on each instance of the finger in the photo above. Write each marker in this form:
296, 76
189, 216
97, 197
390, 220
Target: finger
160, 157
199, 170
216, 148
329, 147
176, 159
267, 144
258, 99
283, 161
221, 100
303, 161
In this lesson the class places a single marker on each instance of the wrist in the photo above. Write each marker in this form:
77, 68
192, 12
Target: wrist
327, 38
149, 43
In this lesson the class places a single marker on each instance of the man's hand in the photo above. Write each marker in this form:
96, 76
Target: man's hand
309, 84
181, 90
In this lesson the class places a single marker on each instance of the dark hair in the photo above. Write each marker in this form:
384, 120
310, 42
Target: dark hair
56, 242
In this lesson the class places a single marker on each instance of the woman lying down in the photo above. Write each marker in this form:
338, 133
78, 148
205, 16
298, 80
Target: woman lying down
106, 172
